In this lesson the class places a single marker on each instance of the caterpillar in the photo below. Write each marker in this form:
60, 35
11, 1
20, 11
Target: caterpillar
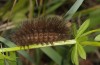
41, 30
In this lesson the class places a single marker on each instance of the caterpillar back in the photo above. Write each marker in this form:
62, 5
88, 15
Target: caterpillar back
41, 30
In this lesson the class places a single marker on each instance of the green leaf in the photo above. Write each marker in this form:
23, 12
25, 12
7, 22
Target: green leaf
50, 52
82, 28
73, 9
97, 38
89, 32
74, 55
81, 51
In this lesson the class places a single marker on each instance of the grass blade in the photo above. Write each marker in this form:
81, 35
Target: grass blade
73, 9
52, 54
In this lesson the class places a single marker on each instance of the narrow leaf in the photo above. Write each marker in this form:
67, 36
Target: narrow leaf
74, 55
82, 28
81, 51
90, 32
73, 9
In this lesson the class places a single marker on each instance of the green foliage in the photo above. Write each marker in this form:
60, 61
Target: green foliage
78, 49
27, 9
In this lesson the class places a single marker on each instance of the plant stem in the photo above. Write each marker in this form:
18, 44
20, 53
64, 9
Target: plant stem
37, 46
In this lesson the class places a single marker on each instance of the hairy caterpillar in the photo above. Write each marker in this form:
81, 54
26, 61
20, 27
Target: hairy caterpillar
41, 30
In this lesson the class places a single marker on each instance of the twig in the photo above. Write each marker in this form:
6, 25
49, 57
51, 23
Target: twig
8, 25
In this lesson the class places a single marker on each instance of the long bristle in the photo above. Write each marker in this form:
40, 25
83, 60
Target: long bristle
40, 30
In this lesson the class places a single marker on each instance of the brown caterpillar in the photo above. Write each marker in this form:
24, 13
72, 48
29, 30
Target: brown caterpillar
41, 30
